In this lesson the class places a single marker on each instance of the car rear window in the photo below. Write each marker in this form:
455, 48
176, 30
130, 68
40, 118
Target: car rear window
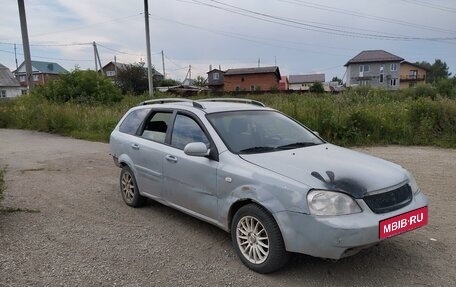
132, 122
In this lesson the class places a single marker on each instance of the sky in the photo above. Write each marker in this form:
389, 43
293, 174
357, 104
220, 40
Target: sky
300, 37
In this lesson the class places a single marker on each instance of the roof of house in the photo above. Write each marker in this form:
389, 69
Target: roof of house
7, 78
119, 65
48, 67
310, 78
414, 65
215, 70
122, 66
370, 56
259, 70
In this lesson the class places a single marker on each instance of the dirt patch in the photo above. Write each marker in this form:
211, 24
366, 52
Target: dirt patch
85, 235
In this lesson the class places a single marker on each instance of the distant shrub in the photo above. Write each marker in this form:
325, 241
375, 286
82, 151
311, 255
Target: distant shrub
82, 87
317, 88
447, 88
421, 91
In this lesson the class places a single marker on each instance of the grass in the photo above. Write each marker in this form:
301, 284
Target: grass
358, 117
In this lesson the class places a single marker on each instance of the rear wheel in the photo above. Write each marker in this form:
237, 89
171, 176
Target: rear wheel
257, 239
129, 188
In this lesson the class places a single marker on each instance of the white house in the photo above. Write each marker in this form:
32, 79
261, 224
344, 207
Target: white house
9, 86
304, 82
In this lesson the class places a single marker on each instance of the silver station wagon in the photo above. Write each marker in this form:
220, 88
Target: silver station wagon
271, 182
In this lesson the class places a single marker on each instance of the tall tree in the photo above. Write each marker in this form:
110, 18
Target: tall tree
200, 81
436, 71
133, 79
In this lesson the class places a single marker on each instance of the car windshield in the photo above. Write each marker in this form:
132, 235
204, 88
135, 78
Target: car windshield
260, 131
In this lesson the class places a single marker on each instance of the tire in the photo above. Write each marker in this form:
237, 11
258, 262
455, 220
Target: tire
129, 188
257, 239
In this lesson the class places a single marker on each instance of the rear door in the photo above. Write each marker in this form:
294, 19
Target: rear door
149, 153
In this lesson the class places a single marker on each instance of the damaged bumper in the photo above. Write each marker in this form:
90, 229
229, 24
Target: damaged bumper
335, 237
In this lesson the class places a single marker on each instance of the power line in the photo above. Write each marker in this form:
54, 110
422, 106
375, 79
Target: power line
49, 58
316, 28
251, 38
364, 15
433, 5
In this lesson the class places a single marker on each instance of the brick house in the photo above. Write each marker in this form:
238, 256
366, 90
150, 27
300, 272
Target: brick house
42, 72
284, 83
252, 79
374, 68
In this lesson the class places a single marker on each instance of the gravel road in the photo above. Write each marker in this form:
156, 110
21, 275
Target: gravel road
84, 235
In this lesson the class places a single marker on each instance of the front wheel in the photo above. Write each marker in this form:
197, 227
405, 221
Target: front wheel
129, 188
257, 239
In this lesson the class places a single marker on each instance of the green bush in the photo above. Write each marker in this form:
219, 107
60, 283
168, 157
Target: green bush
447, 88
421, 91
81, 87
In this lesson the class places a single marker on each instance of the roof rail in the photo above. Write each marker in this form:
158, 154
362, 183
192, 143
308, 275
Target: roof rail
235, 100
171, 100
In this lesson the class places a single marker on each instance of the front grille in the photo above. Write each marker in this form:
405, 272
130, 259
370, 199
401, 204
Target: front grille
389, 201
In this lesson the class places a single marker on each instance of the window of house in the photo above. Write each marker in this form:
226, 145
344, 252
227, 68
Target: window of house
22, 78
186, 130
242, 79
3, 93
393, 82
381, 68
252, 87
381, 78
238, 88
215, 76
364, 68
364, 83
36, 78
393, 67
110, 73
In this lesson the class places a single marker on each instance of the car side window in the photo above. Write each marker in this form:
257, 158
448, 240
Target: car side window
186, 130
132, 122
156, 126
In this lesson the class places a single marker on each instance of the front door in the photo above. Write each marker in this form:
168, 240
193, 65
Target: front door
190, 181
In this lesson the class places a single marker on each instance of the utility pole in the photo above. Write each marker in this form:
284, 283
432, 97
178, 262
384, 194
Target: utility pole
149, 60
15, 57
95, 56
163, 62
25, 44
258, 62
115, 68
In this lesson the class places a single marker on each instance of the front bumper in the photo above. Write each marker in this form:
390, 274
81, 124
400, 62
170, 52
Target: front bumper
335, 237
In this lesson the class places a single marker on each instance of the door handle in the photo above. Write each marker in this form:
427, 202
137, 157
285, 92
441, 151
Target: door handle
135, 146
171, 158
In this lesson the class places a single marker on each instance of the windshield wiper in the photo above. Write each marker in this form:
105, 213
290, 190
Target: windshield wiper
296, 145
257, 149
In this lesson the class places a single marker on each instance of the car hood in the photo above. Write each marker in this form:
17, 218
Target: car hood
331, 167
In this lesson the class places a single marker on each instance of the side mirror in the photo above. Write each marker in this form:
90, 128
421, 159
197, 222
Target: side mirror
196, 149
316, 133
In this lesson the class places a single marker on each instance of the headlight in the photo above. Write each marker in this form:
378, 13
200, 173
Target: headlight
413, 184
323, 202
